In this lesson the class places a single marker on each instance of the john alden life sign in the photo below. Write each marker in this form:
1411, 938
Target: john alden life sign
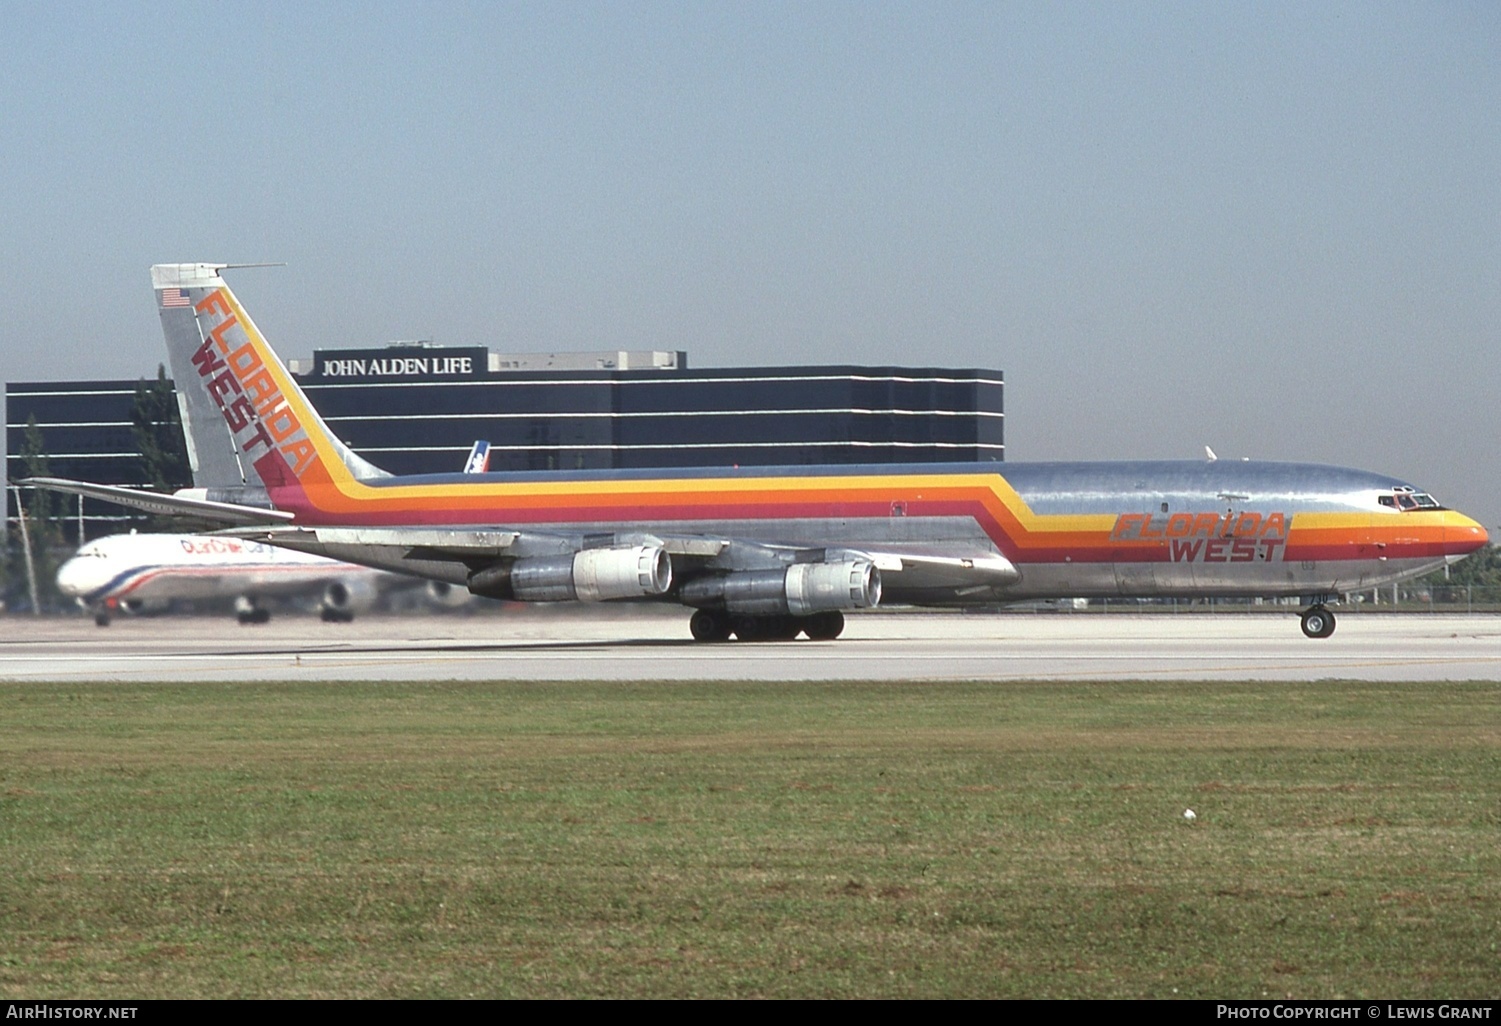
426, 363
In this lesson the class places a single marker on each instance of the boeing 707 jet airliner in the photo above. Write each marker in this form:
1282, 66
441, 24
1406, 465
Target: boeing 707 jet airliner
771, 552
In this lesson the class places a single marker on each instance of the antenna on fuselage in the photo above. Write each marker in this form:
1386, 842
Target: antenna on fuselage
1209, 454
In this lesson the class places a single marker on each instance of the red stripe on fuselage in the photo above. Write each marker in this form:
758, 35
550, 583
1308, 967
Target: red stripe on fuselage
321, 502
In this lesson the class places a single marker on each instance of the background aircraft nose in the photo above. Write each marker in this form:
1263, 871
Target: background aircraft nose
73, 578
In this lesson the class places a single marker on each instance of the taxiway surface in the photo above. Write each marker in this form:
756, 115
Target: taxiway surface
585, 645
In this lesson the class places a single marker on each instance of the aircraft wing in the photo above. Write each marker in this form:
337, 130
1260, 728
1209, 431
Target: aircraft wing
169, 505
453, 554
441, 553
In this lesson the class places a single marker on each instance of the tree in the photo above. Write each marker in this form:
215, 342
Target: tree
156, 425
42, 509
1482, 568
1478, 575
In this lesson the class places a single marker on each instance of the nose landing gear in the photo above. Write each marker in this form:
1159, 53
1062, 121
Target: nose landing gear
1318, 622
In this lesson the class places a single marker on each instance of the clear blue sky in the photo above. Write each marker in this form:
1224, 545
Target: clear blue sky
1272, 228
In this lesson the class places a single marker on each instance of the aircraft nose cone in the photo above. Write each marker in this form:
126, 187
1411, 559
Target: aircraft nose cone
73, 578
1463, 536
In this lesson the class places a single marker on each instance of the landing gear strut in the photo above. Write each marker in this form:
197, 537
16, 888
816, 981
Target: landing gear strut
1318, 622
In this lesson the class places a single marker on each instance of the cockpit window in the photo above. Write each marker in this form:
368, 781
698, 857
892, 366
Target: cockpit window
1406, 499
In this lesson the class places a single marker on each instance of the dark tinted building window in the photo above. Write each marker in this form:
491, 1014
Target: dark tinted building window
569, 420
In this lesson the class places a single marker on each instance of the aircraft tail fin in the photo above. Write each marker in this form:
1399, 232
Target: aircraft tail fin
212, 453
244, 415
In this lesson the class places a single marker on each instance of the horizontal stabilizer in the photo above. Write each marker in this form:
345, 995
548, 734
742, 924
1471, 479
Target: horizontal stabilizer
168, 505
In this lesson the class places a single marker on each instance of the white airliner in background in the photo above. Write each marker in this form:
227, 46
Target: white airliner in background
145, 573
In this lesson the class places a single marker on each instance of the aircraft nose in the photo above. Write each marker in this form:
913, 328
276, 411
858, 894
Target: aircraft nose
1462, 536
73, 578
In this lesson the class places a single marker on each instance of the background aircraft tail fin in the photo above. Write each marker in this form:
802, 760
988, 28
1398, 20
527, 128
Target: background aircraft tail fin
243, 413
479, 458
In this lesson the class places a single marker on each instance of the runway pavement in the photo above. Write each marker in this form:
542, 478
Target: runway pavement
610, 644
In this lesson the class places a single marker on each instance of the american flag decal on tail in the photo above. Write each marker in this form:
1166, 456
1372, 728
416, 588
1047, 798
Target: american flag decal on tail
174, 297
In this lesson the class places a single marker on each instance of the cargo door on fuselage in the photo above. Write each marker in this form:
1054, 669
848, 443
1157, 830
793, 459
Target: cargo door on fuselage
1210, 548
1139, 553
1184, 533
1135, 579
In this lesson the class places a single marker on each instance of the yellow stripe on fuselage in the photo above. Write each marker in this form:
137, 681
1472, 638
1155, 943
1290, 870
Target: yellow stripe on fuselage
335, 491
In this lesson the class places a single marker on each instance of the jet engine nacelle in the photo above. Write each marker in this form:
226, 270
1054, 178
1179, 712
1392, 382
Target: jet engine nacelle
348, 596
591, 575
801, 589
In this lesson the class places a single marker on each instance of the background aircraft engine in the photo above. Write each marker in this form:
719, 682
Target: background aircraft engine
343, 599
801, 590
445, 595
144, 607
592, 575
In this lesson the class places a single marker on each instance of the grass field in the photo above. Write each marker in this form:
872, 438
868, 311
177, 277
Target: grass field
751, 840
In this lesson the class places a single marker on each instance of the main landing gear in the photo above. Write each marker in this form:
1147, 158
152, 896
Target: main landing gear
718, 625
1318, 622
248, 612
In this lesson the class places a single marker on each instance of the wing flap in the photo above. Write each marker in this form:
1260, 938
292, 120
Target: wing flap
702, 548
923, 570
462, 542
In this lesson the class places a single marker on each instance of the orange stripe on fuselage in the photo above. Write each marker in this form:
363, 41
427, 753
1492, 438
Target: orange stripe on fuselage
1018, 532
327, 493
